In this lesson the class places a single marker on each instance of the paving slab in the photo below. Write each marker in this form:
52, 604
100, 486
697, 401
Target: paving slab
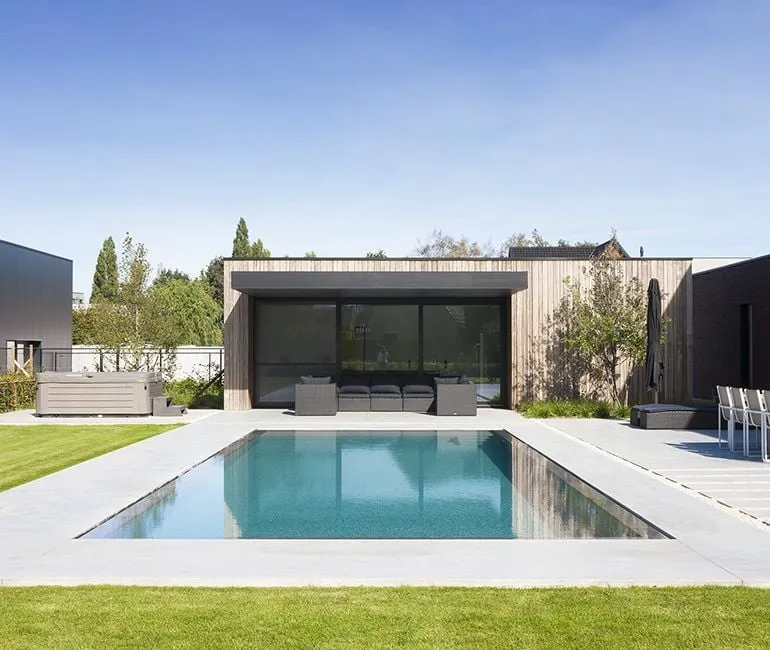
690, 459
28, 417
40, 523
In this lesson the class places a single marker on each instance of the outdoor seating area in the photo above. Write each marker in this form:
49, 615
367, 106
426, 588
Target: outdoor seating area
748, 409
417, 393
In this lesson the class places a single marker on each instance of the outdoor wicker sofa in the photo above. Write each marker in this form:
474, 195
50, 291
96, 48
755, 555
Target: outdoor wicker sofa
416, 393
315, 399
456, 399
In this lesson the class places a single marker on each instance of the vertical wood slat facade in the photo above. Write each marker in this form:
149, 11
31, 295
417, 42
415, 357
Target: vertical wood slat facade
529, 310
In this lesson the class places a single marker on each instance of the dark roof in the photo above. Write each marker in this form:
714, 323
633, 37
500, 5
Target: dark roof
564, 252
550, 252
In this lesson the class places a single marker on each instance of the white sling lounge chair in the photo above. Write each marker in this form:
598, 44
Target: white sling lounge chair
726, 413
740, 414
756, 416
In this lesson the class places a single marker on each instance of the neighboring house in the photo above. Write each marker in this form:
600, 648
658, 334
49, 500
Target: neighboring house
485, 318
78, 300
36, 312
731, 322
611, 249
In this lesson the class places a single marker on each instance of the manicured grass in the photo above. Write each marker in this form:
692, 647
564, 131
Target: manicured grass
102, 617
29, 452
573, 409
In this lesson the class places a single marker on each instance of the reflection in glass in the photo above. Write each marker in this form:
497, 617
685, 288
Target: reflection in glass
275, 383
296, 333
380, 337
465, 340
384, 484
292, 339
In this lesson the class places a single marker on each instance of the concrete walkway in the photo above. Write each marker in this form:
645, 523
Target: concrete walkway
39, 522
28, 417
689, 459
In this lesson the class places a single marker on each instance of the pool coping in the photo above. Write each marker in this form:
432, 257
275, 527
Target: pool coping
39, 521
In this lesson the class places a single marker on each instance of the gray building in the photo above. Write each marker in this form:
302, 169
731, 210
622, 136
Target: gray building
35, 308
731, 327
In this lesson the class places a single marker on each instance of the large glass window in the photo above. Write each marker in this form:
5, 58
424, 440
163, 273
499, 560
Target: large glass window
380, 337
291, 340
465, 340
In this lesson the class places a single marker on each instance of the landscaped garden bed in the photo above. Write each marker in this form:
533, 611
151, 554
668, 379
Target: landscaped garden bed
574, 409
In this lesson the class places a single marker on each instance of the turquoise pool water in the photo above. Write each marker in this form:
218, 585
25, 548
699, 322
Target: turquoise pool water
384, 484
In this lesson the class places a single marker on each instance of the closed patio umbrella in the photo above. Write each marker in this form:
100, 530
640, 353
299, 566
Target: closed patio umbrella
653, 367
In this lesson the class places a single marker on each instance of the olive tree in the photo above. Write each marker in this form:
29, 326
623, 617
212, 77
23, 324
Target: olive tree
608, 321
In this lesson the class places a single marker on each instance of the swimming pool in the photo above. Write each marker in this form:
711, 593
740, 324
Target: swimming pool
376, 485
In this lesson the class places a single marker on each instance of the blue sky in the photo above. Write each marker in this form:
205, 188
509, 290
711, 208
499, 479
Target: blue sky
348, 126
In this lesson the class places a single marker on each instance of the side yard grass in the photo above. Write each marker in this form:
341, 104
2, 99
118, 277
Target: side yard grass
137, 617
29, 452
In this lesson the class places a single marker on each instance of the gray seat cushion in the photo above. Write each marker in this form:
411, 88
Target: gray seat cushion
309, 379
418, 389
385, 389
354, 389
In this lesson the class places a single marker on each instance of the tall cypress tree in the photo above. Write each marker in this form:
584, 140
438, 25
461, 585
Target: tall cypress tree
241, 246
105, 284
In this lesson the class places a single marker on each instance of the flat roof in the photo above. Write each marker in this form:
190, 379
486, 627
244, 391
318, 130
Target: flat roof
415, 258
35, 250
375, 284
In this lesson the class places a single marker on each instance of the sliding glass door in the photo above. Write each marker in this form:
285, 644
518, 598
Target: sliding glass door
465, 339
291, 340
380, 337
434, 336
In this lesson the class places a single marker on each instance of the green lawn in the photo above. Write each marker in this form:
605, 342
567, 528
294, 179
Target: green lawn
29, 452
110, 617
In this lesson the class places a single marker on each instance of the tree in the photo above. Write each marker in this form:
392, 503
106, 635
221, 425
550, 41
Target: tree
519, 239
213, 277
376, 255
241, 245
105, 283
124, 327
441, 245
608, 321
164, 275
258, 249
135, 274
188, 311
311, 254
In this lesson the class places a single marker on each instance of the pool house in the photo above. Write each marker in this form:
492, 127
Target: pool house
483, 319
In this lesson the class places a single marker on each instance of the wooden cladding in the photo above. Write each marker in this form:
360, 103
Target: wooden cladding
533, 362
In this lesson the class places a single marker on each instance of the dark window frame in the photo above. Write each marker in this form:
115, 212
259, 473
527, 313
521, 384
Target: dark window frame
503, 303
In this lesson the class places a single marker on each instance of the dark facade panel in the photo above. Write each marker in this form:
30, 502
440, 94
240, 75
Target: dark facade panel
729, 349
36, 304
378, 284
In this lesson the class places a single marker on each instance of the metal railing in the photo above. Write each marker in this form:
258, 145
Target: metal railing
200, 363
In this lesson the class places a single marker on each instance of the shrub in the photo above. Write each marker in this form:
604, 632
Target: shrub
16, 392
573, 409
194, 393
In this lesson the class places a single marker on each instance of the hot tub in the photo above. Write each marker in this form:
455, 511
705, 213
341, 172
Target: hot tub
97, 393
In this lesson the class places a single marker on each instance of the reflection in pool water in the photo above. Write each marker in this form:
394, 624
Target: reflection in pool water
385, 484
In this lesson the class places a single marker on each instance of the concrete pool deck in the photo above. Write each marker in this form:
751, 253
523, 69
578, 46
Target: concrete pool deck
713, 543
